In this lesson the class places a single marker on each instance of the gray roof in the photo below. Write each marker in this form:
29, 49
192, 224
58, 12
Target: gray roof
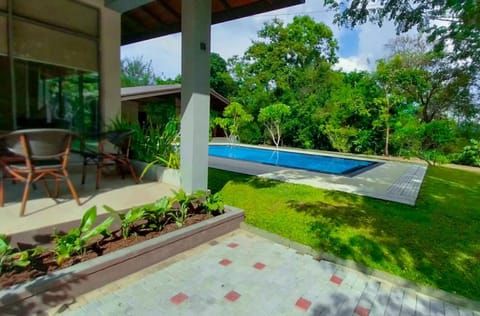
144, 92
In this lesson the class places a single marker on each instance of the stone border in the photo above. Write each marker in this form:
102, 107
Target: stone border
62, 286
398, 281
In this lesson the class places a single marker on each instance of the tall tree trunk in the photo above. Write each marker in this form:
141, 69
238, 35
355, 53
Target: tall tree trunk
387, 125
387, 138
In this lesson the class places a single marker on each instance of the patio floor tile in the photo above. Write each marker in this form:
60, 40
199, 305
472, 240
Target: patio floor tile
294, 285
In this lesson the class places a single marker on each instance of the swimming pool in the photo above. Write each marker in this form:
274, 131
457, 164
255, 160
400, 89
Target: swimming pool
318, 163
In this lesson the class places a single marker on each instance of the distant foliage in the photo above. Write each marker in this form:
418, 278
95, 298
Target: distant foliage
427, 141
470, 155
233, 118
137, 72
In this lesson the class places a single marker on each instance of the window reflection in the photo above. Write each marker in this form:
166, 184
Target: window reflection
49, 96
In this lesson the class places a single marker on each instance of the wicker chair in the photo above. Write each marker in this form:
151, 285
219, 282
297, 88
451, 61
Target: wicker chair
101, 157
45, 153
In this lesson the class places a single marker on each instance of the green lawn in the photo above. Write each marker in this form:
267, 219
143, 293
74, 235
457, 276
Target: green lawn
436, 243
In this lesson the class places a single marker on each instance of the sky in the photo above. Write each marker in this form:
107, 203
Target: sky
358, 48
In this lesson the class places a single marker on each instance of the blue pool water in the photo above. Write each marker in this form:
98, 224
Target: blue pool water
325, 164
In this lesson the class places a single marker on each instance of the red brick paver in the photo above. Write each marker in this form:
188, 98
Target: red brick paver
362, 311
259, 266
225, 262
303, 304
233, 245
232, 296
179, 298
335, 279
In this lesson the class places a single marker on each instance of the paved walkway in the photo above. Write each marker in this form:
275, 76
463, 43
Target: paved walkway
244, 274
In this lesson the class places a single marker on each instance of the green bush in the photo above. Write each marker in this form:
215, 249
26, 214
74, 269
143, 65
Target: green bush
11, 257
152, 141
470, 155
78, 239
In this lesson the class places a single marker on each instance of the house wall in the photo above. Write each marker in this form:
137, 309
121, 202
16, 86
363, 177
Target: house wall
130, 111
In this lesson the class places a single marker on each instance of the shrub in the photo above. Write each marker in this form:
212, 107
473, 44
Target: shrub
152, 141
156, 213
214, 204
470, 155
11, 257
128, 219
78, 238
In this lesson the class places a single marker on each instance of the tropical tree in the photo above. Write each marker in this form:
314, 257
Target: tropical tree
273, 117
429, 79
164, 80
234, 117
347, 116
220, 79
460, 29
387, 74
290, 64
428, 141
137, 72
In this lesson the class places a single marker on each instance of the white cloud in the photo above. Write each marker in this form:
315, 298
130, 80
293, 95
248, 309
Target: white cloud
352, 64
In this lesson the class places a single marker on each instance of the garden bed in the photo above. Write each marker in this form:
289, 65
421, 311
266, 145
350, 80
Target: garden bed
109, 260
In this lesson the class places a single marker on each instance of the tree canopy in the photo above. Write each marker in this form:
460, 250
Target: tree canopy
137, 72
448, 23
418, 101
273, 117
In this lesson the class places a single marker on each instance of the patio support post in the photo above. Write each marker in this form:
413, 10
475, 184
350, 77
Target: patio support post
110, 33
195, 95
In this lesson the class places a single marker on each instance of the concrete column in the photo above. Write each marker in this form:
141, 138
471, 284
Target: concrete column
195, 96
110, 32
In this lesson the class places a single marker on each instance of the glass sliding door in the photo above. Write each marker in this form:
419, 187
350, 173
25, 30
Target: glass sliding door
53, 96
49, 65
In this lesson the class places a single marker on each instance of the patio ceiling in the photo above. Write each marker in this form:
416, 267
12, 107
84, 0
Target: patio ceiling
146, 19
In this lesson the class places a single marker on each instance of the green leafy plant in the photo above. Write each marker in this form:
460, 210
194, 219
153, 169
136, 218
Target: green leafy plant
128, 219
152, 140
181, 204
470, 154
156, 214
78, 238
11, 257
214, 204
173, 162
234, 117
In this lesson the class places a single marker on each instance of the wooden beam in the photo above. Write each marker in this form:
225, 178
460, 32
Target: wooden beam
123, 6
169, 9
225, 4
